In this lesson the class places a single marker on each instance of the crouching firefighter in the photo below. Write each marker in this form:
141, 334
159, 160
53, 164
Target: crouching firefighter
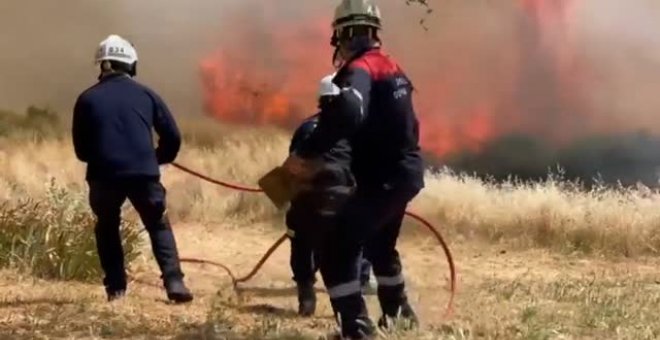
313, 212
374, 110
112, 133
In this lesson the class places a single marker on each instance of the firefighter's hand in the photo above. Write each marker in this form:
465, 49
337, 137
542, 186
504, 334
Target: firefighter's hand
298, 167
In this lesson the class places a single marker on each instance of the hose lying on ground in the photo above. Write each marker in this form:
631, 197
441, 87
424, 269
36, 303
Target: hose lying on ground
271, 250
236, 280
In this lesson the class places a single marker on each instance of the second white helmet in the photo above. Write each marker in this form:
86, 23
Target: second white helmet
116, 48
327, 87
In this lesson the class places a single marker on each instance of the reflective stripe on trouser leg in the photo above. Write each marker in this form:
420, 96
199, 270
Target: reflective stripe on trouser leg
344, 290
390, 281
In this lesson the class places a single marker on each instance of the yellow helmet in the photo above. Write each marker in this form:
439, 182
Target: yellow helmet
356, 13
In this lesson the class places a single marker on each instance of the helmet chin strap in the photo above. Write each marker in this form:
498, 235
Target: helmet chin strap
336, 61
334, 41
356, 45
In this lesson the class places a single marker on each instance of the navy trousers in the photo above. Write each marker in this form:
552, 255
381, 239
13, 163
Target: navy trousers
370, 220
306, 230
147, 196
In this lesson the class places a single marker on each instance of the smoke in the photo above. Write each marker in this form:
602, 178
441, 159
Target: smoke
622, 45
47, 47
46, 50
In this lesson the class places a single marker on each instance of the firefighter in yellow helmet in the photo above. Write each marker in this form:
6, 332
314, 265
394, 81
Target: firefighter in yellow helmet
355, 27
374, 110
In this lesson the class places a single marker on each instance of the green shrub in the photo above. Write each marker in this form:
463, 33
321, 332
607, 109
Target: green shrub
54, 237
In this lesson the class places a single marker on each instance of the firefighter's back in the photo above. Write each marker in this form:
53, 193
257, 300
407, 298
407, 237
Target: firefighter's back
118, 115
386, 148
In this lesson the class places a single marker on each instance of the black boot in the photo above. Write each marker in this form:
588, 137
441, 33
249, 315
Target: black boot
396, 309
405, 318
366, 330
177, 291
306, 299
166, 253
353, 318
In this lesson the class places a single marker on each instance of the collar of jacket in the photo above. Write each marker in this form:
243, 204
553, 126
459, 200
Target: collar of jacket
360, 53
111, 76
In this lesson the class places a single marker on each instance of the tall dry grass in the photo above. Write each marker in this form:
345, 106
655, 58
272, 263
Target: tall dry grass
555, 214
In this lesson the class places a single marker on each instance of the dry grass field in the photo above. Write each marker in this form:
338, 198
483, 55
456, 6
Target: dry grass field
535, 260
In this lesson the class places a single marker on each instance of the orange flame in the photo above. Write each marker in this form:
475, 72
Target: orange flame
243, 85
270, 74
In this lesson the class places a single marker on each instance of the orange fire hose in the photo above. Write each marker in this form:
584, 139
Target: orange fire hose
236, 280
271, 250
215, 181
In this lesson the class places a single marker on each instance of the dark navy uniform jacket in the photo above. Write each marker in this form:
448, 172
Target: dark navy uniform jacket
112, 130
334, 177
375, 112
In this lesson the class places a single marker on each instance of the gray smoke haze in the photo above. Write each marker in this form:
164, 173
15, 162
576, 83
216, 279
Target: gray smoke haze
621, 43
47, 47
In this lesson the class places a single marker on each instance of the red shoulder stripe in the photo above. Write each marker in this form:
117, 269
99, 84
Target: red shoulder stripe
378, 65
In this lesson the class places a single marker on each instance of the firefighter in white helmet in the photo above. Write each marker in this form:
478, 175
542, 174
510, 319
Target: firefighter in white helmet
374, 110
112, 132
118, 52
314, 211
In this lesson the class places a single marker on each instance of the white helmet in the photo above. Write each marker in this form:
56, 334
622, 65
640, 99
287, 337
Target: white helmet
116, 48
327, 87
